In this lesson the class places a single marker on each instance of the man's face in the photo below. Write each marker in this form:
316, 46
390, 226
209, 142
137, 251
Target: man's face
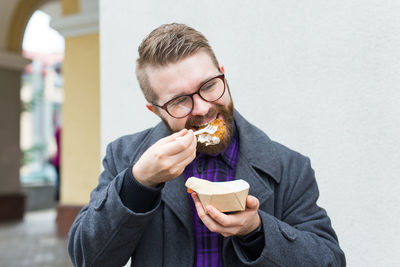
185, 77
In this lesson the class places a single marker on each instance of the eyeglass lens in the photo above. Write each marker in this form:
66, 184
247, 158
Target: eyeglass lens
210, 91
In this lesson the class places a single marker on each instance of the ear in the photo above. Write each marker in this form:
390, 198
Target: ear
151, 108
221, 67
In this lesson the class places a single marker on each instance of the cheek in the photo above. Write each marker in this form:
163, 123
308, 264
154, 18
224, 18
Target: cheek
177, 124
224, 100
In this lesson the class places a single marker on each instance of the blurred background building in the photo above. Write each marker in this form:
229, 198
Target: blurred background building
49, 100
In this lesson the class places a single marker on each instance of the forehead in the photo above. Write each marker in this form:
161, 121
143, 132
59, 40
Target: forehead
182, 77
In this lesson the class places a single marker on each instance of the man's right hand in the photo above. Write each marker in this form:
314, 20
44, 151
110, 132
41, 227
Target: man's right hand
166, 159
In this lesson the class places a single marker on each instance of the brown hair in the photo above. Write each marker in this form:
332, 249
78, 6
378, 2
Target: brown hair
166, 44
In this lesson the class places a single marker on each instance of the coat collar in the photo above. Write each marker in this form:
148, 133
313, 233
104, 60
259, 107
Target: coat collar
257, 148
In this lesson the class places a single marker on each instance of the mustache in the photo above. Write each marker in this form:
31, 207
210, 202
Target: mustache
194, 121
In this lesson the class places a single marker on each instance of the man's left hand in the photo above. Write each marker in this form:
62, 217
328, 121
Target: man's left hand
240, 223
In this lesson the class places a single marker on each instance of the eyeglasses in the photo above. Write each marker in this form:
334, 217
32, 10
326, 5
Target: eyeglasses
210, 91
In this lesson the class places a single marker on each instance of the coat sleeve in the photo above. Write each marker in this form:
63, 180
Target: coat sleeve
303, 236
105, 232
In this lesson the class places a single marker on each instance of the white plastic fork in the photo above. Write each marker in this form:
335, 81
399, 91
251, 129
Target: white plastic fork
210, 129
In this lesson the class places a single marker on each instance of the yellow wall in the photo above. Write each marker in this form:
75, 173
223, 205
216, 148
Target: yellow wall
80, 155
70, 7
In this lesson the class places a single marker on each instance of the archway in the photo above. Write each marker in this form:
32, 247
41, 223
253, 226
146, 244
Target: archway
11, 68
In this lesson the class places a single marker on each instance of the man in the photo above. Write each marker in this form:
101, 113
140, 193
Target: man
140, 209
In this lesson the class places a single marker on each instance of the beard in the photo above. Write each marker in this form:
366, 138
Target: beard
225, 113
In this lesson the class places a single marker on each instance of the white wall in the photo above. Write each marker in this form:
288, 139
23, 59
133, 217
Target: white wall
321, 77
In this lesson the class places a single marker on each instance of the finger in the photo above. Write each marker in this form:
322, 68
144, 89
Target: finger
191, 149
174, 165
197, 203
194, 140
178, 145
185, 156
252, 202
172, 137
238, 223
206, 219
178, 167
219, 217
184, 159
189, 138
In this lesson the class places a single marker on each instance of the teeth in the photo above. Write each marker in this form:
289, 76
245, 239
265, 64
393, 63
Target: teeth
207, 122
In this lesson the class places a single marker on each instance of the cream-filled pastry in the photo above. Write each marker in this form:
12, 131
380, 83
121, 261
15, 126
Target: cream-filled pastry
214, 138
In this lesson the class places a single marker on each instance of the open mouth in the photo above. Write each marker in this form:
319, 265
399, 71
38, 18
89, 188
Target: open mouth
204, 124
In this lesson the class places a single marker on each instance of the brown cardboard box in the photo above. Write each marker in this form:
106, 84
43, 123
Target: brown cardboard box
224, 196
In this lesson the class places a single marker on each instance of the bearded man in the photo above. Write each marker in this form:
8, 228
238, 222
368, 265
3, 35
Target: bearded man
140, 209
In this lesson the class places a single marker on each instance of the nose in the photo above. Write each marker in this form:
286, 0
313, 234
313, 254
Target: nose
200, 107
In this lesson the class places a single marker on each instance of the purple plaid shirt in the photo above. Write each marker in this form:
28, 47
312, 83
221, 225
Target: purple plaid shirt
216, 168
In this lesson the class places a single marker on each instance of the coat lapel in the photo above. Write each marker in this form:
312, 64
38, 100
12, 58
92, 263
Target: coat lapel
256, 153
174, 195
258, 188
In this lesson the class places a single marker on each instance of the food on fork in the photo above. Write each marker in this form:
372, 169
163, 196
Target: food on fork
212, 137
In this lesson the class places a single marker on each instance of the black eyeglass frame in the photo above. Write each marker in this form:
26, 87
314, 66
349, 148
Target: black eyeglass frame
164, 107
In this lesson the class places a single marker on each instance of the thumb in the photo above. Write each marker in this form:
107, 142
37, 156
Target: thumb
252, 202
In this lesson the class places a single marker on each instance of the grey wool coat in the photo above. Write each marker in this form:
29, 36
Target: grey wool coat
297, 231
